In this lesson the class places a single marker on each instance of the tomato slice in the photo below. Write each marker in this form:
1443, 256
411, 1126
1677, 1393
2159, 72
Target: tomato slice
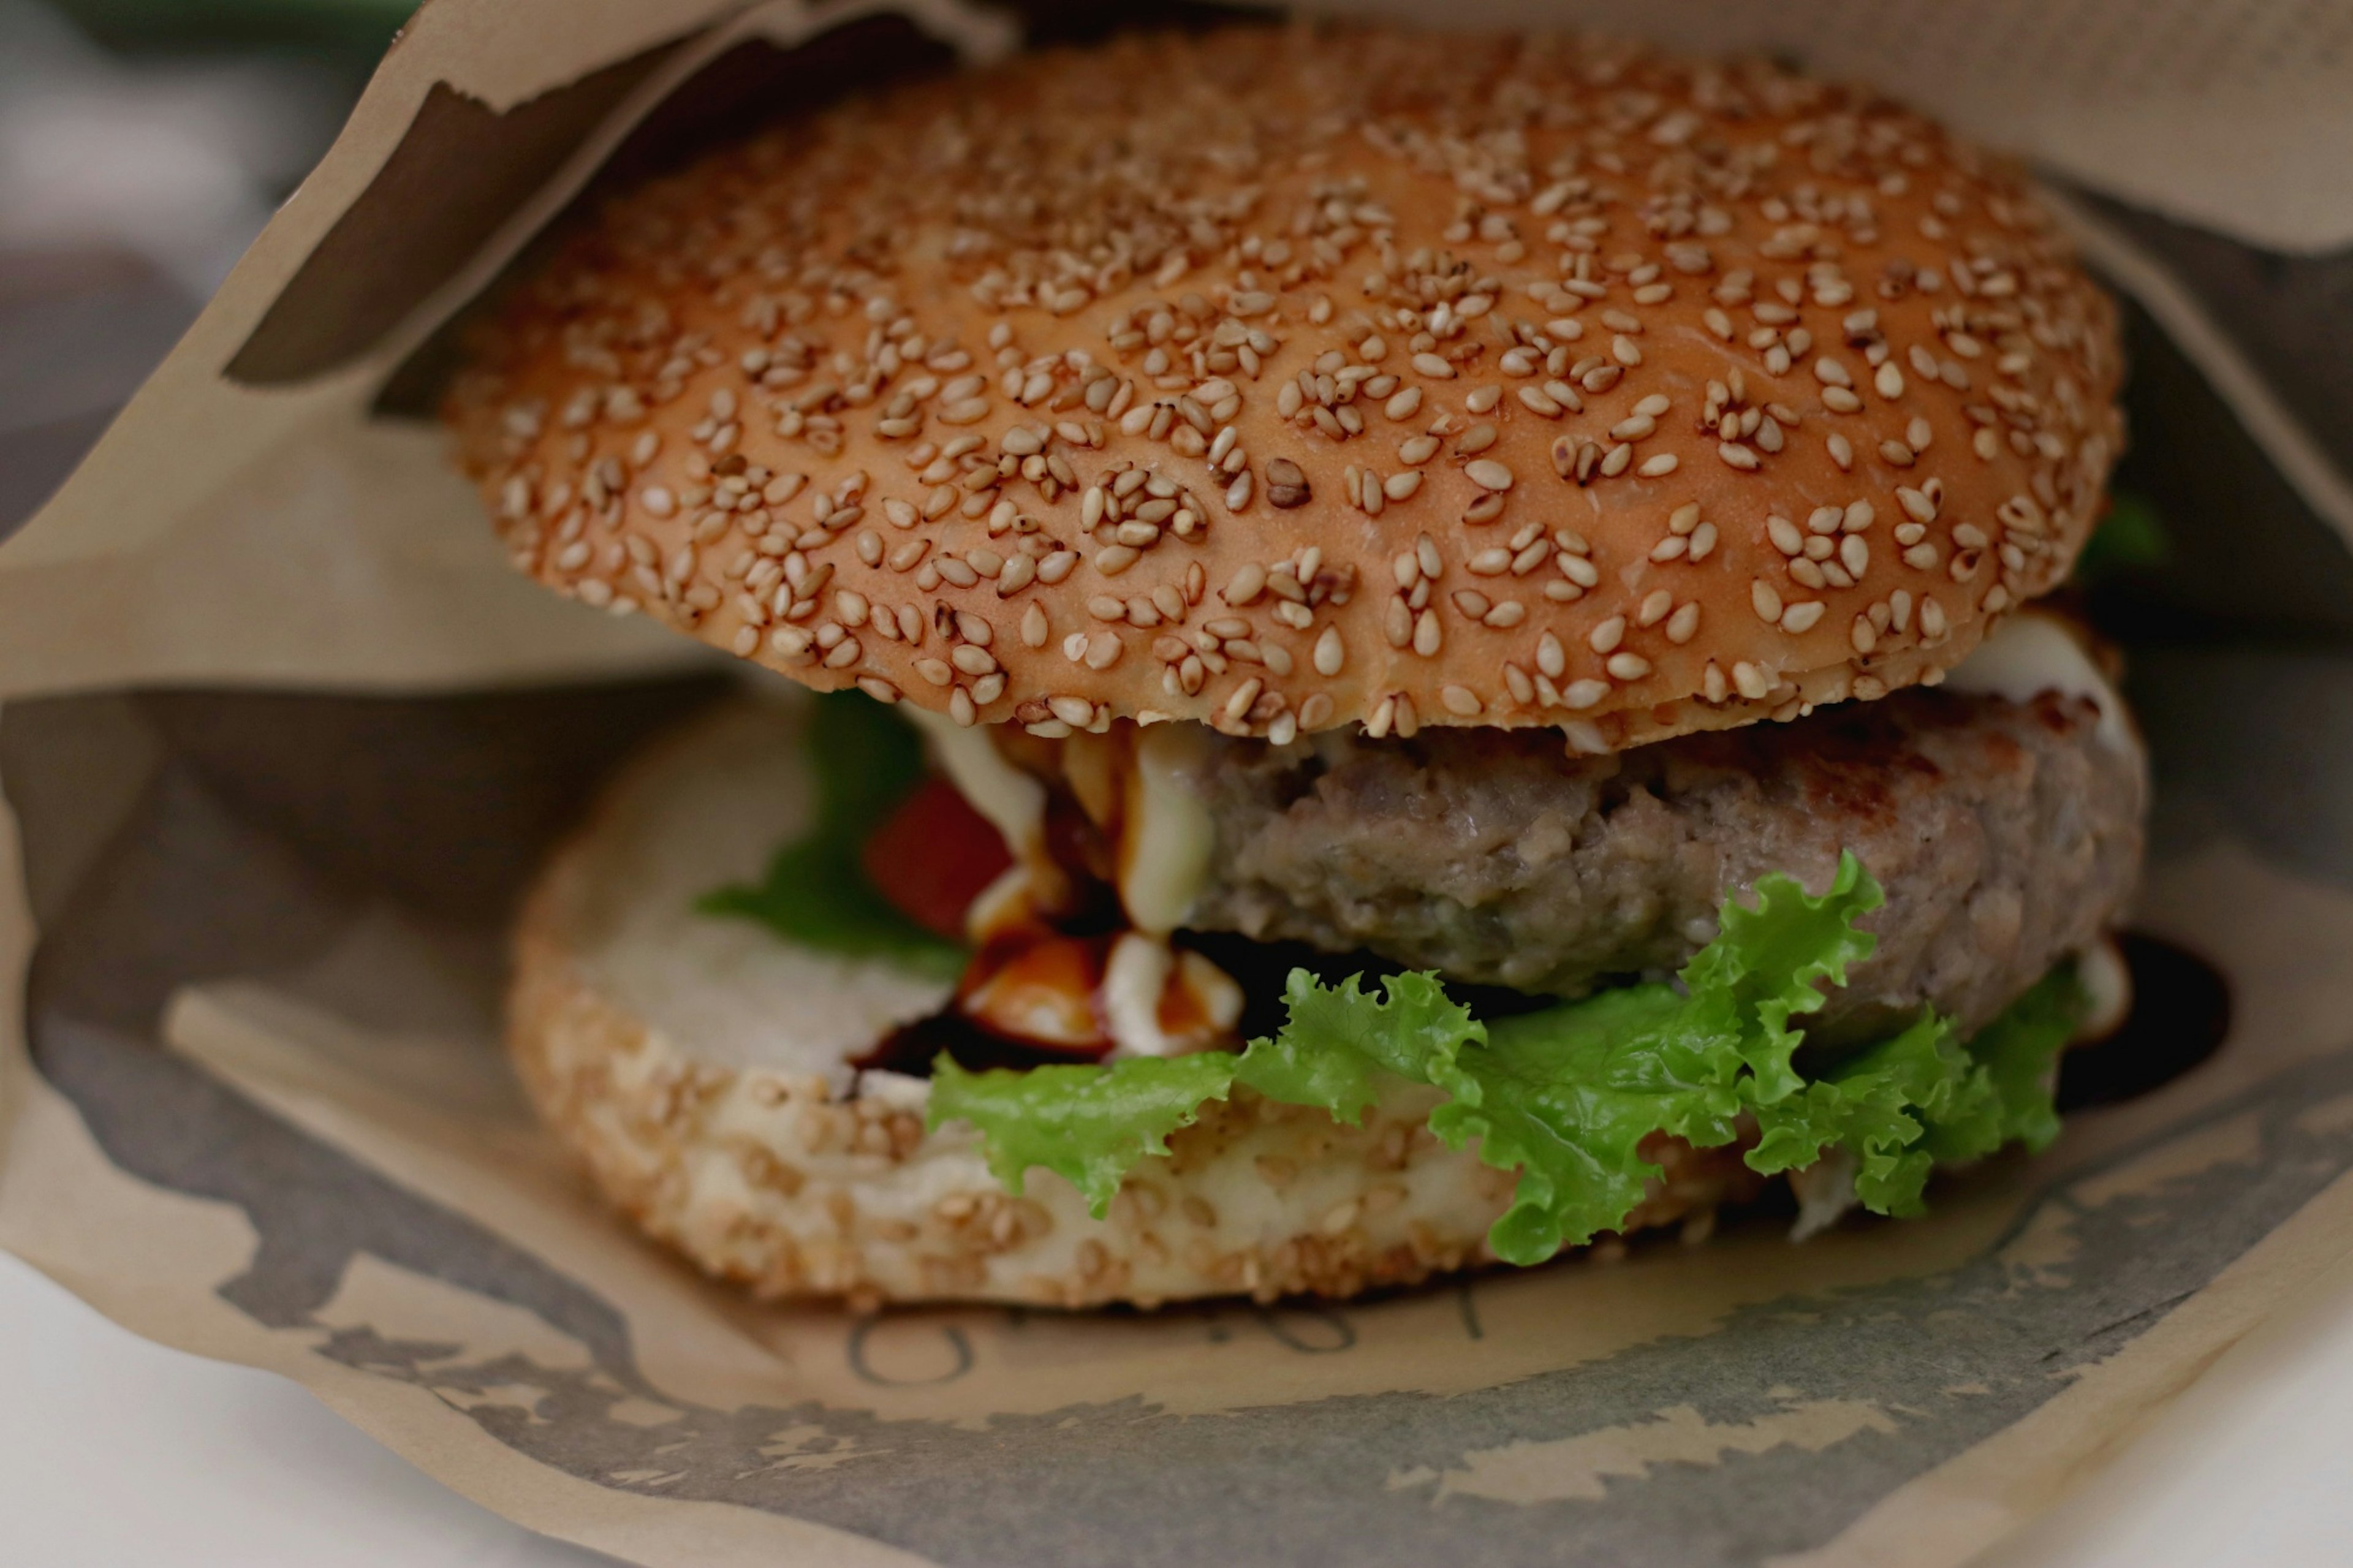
933, 856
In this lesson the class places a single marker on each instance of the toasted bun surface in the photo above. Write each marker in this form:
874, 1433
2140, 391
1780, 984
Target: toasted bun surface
697, 1065
1292, 378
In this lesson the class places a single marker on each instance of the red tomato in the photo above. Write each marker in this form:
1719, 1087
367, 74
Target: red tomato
933, 856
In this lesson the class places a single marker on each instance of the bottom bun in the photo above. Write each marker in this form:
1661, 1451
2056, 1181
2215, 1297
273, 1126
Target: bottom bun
699, 1064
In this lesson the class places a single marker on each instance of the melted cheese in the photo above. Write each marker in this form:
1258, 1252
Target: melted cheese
1167, 838
1140, 983
2031, 653
2106, 979
1012, 801
1132, 984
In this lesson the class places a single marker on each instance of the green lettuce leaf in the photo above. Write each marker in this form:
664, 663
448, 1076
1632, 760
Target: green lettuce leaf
866, 761
1338, 1043
1922, 1099
1567, 1096
1898, 1107
2020, 1051
1766, 963
1087, 1124
2131, 538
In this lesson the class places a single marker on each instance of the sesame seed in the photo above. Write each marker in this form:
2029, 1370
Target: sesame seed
1606, 637
1579, 695
1489, 475
824, 331
1427, 637
1462, 701
1802, 617
1627, 666
1330, 652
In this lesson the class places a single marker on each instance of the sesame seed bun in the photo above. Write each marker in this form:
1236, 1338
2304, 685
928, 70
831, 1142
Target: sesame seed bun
1284, 379
698, 1066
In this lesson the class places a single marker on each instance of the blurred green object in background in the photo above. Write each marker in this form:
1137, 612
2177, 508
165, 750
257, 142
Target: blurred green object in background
352, 33
2131, 538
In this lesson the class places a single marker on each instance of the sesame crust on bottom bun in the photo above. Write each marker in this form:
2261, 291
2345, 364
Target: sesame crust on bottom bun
777, 1167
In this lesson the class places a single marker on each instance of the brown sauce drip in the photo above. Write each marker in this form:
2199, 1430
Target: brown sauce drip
2181, 1013
914, 1048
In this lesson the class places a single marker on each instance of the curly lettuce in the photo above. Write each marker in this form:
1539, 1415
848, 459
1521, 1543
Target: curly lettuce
1090, 1125
1567, 1096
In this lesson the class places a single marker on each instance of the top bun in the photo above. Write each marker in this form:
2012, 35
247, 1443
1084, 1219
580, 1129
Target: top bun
1286, 378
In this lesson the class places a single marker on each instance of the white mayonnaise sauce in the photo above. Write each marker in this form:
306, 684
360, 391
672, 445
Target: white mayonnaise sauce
1136, 981
1012, 801
1167, 838
2030, 653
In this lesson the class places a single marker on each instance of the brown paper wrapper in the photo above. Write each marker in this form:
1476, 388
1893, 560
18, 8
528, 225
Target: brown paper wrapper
283, 740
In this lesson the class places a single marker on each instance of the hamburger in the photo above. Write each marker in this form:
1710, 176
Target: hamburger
1429, 650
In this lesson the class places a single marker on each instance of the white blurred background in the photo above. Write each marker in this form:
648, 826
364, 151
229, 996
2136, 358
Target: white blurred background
143, 145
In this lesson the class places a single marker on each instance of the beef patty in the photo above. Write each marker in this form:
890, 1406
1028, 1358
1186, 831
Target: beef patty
2005, 833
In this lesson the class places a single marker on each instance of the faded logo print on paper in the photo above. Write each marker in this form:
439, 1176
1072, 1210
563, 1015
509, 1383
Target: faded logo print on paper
1768, 1435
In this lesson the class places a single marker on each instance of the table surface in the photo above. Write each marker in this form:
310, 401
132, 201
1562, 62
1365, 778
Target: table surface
116, 1453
